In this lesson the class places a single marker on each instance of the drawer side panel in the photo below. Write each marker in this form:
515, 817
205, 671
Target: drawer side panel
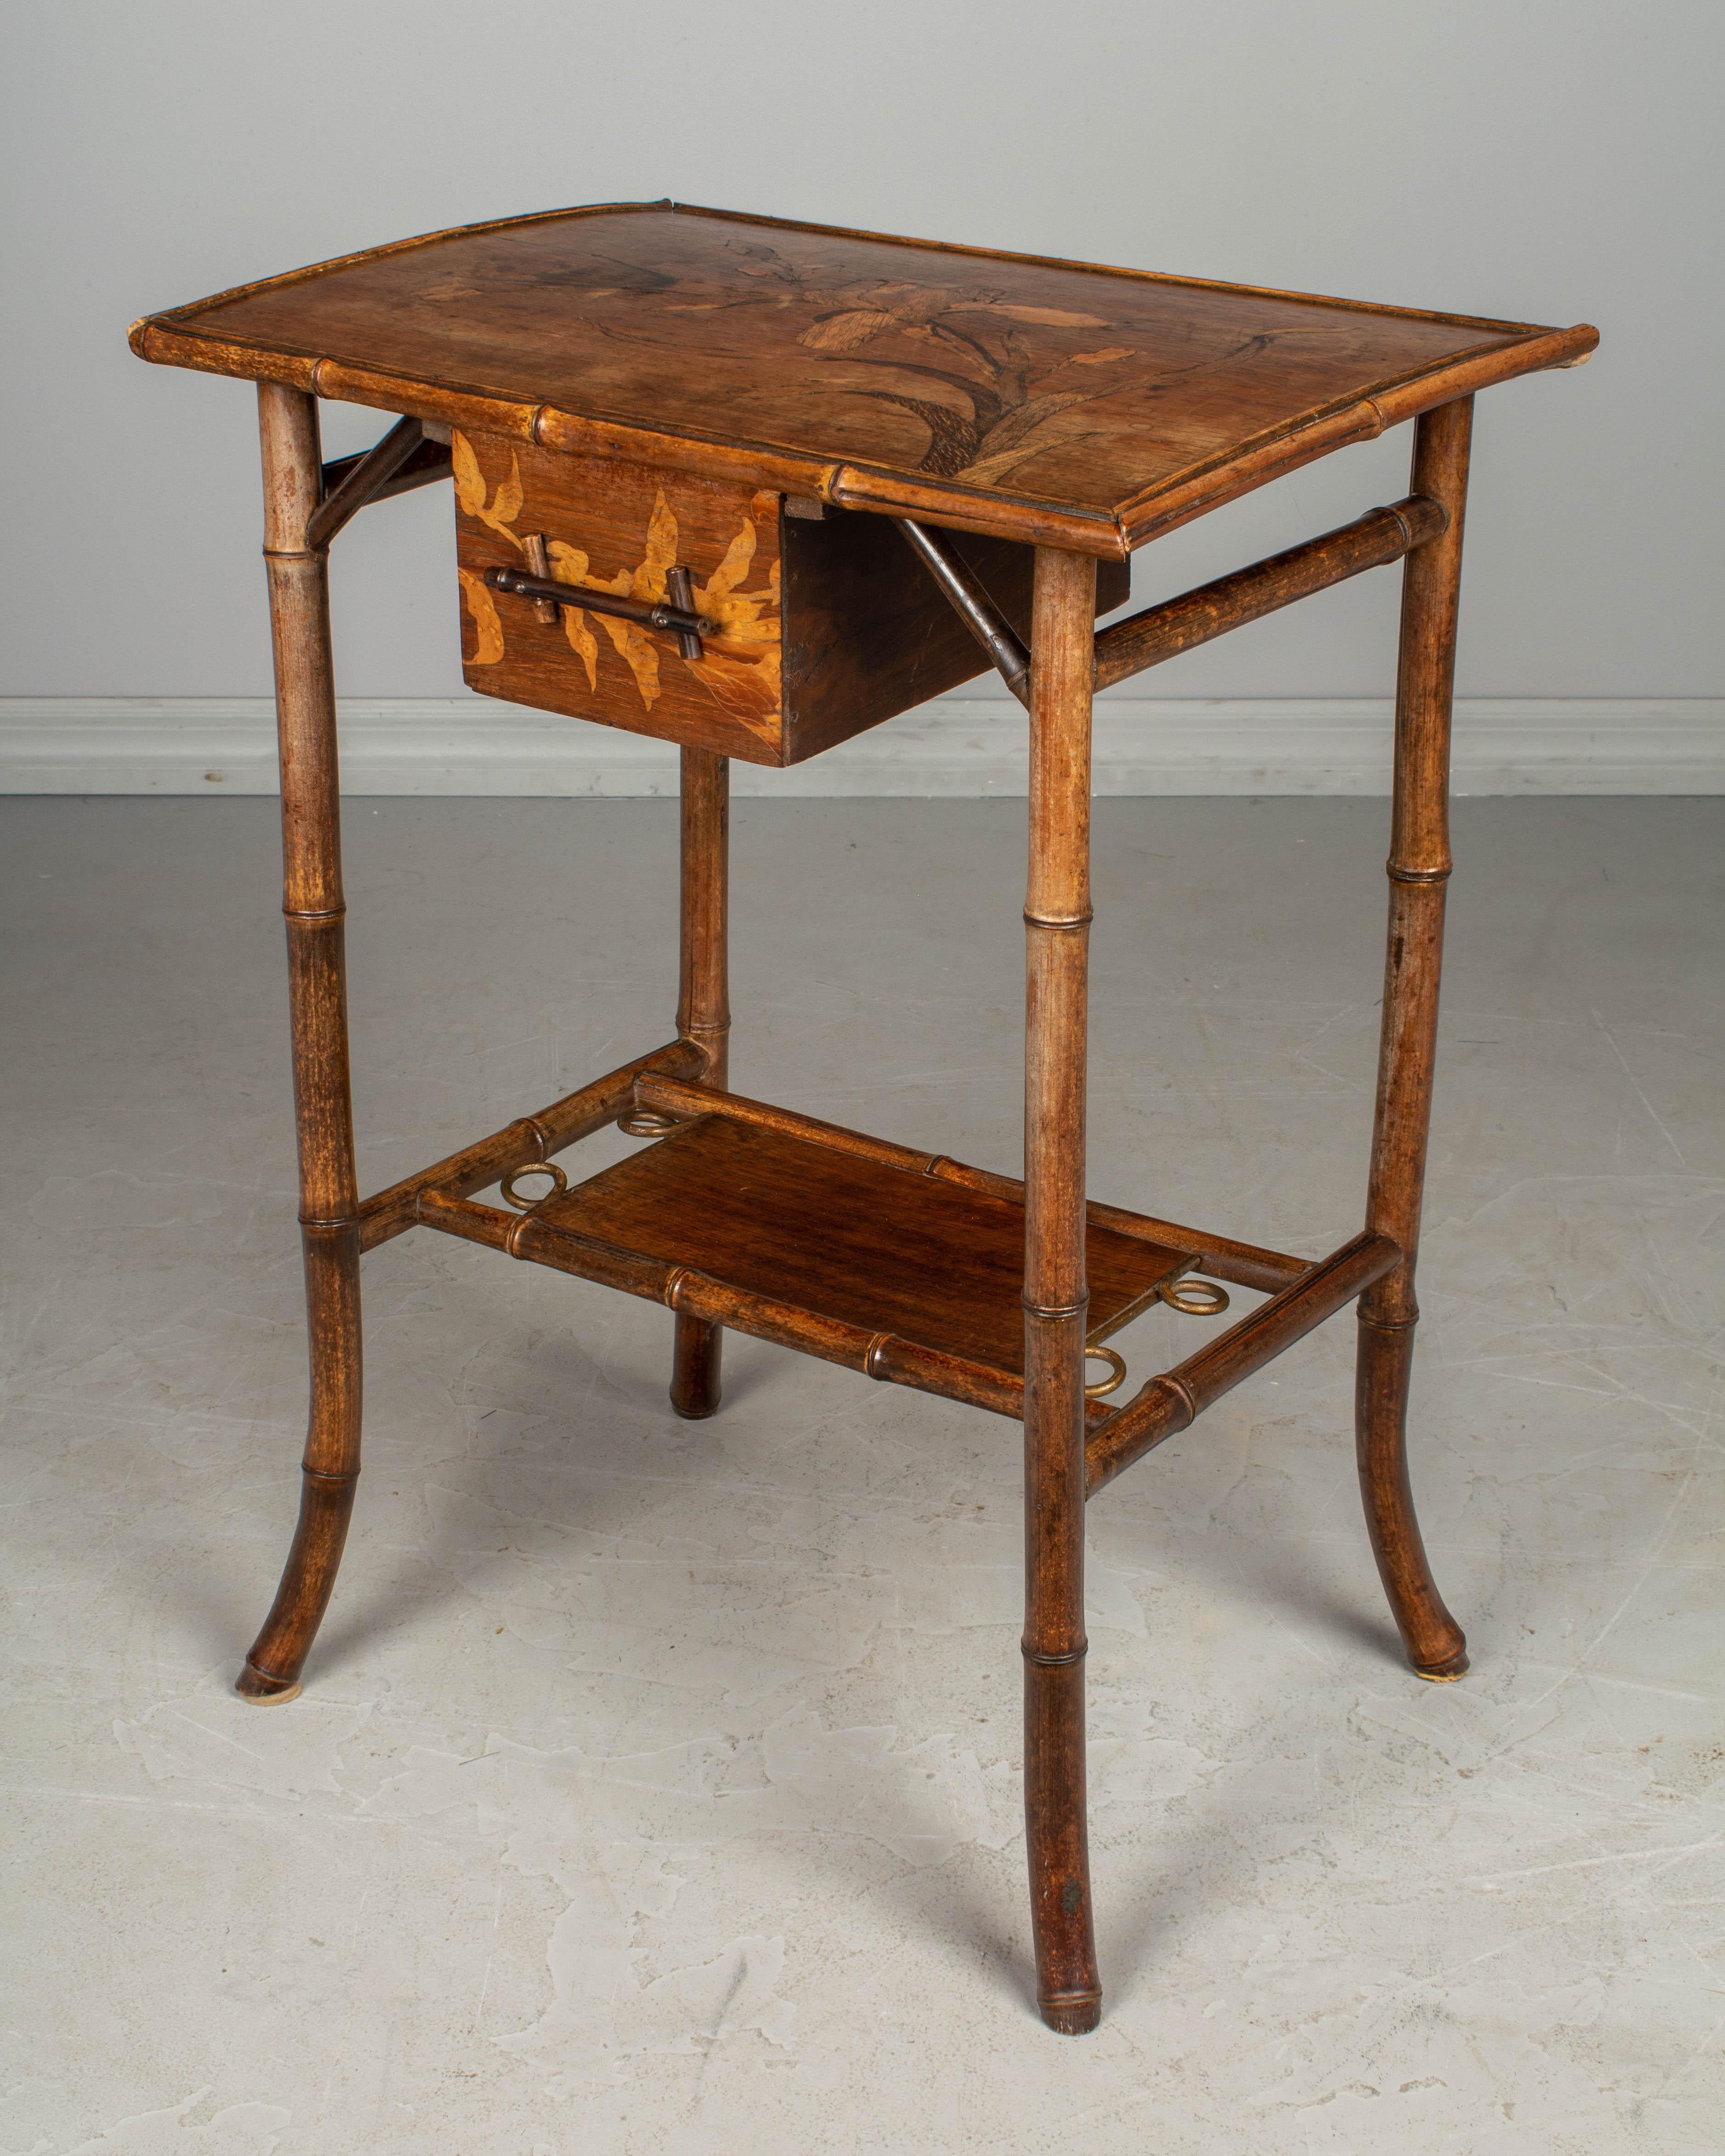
869, 634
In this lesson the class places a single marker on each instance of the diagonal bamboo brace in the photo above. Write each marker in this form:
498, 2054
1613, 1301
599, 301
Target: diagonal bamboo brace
423, 466
364, 478
1196, 617
972, 606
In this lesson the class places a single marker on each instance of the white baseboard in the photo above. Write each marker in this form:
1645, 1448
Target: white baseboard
956, 747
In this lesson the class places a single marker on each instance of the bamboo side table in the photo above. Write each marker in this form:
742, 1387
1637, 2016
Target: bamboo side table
753, 487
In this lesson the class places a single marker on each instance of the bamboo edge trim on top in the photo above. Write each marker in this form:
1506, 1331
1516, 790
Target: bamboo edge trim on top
1357, 413
879, 489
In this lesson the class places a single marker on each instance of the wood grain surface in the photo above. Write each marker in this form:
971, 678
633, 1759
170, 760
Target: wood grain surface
1062, 403
620, 528
843, 1236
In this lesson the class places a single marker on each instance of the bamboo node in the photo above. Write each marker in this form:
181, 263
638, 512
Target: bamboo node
1386, 1324
1054, 1661
1070, 921
1398, 874
1168, 1383
1429, 509
877, 1347
1056, 1310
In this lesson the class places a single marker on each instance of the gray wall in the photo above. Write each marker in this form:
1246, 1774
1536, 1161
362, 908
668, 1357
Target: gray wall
1549, 160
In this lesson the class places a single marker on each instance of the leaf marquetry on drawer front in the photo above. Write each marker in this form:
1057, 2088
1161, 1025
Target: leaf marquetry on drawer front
824, 625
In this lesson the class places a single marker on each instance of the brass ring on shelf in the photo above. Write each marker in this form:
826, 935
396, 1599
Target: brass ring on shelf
646, 1123
1197, 1298
559, 1184
1116, 1372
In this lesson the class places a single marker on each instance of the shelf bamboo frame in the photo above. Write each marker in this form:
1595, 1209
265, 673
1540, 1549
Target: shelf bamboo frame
1174, 1399
523, 1143
697, 1297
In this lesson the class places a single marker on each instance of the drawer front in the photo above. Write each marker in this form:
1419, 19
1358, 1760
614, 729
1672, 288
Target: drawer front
618, 528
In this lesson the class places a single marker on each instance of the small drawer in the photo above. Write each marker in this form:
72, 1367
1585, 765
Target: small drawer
825, 624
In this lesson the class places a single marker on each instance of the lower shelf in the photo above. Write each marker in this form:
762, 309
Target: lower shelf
904, 1265
871, 1245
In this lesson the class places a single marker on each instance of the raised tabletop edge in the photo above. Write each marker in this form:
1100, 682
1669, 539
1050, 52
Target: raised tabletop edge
165, 316
1088, 268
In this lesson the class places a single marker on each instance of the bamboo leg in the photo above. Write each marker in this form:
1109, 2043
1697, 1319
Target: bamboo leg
1419, 867
704, 1017
1057, 912
317, 993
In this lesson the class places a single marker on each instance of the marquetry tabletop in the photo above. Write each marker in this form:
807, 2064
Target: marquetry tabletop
1087, 407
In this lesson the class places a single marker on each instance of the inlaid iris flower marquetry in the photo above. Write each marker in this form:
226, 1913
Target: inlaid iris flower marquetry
998, 399
983, 370
1010, 400
739, 665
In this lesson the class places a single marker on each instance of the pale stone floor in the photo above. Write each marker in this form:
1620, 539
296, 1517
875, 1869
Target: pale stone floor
655, 1787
